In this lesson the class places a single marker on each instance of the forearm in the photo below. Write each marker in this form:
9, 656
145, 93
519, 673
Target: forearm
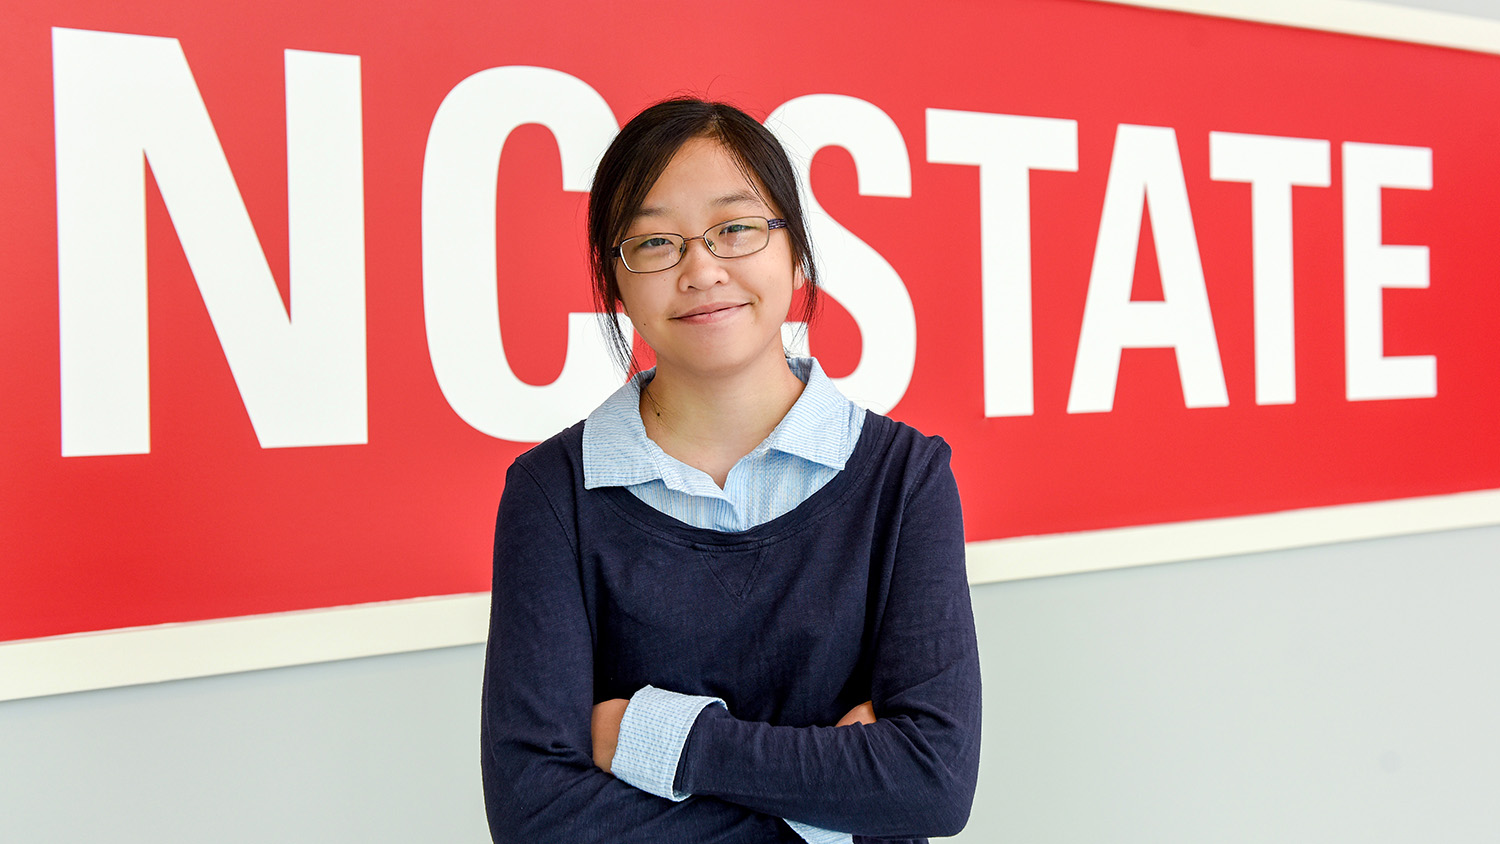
640, 741
901, 776
536, 796
541, 784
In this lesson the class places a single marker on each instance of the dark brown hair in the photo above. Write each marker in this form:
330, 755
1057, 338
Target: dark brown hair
636, 159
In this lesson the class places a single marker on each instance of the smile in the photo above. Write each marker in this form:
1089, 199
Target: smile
710, 313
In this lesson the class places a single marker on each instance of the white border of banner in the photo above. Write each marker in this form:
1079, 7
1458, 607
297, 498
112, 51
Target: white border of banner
134, 655
131, 656
1349, 17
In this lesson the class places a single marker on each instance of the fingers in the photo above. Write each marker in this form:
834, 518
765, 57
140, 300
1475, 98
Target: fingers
862, 714
604, 727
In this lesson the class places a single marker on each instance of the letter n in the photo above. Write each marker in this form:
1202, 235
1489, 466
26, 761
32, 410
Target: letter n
123, 100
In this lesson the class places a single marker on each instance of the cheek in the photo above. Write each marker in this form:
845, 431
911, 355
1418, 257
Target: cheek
637, 304
630, 300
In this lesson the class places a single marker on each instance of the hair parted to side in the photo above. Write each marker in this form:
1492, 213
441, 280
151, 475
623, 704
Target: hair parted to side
636, 159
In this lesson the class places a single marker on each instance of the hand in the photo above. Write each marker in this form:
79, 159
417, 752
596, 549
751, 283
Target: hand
862, 714
605, 728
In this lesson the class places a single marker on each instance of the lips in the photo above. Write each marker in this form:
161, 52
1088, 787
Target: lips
710, 310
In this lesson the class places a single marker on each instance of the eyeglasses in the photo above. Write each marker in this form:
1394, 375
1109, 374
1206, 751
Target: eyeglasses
652, 253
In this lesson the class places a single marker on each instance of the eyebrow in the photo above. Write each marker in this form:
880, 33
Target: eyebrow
724, 200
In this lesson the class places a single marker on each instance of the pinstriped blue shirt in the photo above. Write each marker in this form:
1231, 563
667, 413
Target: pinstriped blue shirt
806, 450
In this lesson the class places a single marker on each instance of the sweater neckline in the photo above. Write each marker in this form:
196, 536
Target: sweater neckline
657, 523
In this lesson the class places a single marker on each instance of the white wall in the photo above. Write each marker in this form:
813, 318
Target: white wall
1477, 8
1338, 694
369, 750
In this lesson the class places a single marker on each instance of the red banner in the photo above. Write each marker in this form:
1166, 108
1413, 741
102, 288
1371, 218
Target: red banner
288, 287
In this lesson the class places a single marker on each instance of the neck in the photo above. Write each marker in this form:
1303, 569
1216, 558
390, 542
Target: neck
710, 421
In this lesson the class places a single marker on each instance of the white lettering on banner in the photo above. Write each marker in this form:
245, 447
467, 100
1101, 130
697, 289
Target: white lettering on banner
459, 274
122, 101
1006, 148
1146, 168
1370, 266
854, 273
1272, 165
301, 374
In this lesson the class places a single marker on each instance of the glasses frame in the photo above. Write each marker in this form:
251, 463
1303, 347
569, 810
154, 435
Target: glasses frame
772, 223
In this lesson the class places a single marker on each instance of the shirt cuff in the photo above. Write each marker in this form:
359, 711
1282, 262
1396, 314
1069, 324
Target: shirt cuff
652, 734
815, 835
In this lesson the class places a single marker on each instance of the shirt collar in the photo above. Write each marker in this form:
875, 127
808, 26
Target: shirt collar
617, 452
816, 428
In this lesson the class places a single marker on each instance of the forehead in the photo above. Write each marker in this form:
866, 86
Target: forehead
702, 177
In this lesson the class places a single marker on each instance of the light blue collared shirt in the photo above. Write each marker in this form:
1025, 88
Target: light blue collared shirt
805, 451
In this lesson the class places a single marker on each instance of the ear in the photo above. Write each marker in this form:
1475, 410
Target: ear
798, 279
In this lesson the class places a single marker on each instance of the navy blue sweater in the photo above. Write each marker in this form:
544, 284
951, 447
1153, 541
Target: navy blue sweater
859, 593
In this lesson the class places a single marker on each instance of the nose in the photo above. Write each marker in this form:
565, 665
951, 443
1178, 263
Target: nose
699, 266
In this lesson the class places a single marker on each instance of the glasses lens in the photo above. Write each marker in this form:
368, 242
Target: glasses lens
649, 253
744, 236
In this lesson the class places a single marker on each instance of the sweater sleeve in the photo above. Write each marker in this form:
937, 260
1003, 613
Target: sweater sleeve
652, 734
913, 772
540, 782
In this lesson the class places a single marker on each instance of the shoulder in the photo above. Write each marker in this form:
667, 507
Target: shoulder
565, 448
554, 466
897, 444
901, 464
540, 493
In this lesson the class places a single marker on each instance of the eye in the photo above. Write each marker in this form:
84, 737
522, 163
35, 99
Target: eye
736, 227
651, 246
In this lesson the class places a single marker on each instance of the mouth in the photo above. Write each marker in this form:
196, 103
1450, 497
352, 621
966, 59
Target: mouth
711, 312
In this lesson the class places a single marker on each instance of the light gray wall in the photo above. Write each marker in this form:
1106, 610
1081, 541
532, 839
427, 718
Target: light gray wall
1476, 8
364, 751
1347, 693
1341, 694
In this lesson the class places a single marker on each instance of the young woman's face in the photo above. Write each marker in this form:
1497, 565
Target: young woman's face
708, 315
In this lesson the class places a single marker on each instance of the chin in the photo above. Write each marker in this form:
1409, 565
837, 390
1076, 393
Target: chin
717, 360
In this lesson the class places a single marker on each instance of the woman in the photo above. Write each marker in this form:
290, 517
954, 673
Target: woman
730, 605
